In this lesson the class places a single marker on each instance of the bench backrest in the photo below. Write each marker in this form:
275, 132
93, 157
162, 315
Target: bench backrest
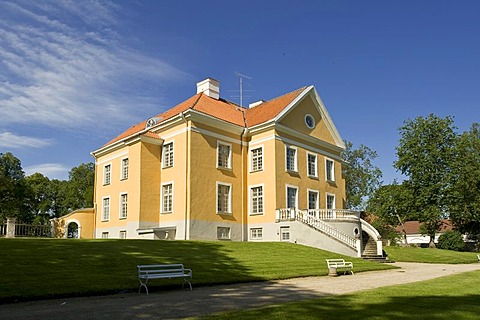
335, 261
160, 268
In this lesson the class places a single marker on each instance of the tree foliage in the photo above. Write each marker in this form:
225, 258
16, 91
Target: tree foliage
425, 154
36, 198
464, 190
451, 240
362, 177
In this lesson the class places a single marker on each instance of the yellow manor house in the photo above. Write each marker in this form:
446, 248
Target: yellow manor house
210, 169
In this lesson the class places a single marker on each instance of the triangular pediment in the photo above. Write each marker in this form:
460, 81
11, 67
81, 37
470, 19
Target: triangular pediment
307, 115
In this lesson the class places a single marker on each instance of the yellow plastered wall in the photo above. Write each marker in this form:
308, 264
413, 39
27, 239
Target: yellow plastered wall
83, 217
295, 120
265, 177
149, 211
117, 186
303, 182
205, 174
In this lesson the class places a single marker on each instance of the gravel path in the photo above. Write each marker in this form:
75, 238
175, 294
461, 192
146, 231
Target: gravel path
178, 304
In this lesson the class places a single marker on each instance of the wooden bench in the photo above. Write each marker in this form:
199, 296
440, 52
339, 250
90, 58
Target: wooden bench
162, 271
340, 264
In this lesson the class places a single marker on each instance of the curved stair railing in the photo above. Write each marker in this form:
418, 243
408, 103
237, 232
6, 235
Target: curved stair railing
317, 224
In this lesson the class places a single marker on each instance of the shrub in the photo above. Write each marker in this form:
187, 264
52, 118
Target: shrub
451, 240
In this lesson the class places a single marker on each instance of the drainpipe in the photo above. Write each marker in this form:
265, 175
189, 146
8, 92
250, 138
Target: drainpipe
187, 173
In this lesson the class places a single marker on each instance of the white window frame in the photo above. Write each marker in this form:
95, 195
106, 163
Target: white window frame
105, 235
124, 168
121, 205
260, 159
317, 205
288, 186
229, 160
251, 198
326, 201
285, 230
332, 170
164, 155
220, 234
162, 200
107, 175
229, 209
315, 173
105, 214
295, 159
122, 234
256, 233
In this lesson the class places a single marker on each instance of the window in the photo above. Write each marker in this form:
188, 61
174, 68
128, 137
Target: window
256, 200
168, 155
312, 199
285, 233
330, 201
223, 233
256, 233
330, 170
124, 169
223, 198
123, 234
123, 206
106, 209
107, 174
291, 159
256, 159
104, 235
167, 198
309, 121
224, 155
292, 197
312, 165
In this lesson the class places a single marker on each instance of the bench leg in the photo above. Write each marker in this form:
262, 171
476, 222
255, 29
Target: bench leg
143, 284
185, 280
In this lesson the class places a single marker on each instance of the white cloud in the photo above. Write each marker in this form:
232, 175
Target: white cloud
13, 141
50, 170
65, 66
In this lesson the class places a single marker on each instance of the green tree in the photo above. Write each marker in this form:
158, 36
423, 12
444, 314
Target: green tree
58, 197
464, 191
392, 205
39, 187
425, 154
362, 177
13, 191
80, 186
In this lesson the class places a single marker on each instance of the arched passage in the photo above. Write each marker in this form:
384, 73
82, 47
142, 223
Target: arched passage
73, 230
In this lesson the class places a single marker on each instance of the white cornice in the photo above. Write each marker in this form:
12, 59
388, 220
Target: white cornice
307, 138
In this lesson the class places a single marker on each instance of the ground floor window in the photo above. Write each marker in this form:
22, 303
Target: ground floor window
256, 233
104, 235
223, 233
123, 234
285, 233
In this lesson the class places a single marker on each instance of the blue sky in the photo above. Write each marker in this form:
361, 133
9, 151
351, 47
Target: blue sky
74, 74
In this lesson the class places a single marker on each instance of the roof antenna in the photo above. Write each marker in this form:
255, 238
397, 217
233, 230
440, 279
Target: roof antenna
241, 77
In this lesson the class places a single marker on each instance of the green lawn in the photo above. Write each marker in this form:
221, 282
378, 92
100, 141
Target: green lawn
44, 268
429, 255
447, 298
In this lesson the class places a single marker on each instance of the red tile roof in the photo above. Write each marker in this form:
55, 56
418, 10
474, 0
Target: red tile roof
222, 109
413, 227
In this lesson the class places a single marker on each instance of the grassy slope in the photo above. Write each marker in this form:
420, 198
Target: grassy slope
41, 268
429, 255
452, 297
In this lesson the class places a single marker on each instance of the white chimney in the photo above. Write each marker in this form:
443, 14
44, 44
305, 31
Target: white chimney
210, 87
256, 103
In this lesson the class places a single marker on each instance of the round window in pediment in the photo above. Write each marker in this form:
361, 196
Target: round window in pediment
310, 121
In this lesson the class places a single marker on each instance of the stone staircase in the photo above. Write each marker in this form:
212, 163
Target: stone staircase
370, 250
